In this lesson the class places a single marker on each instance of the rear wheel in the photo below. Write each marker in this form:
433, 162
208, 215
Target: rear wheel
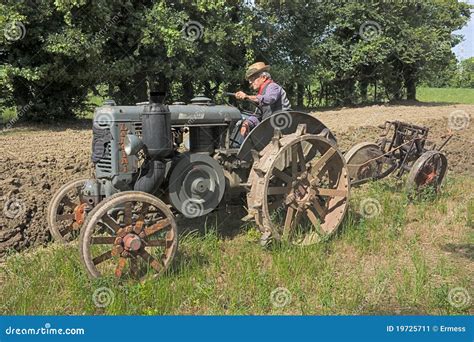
299, 188
427, 172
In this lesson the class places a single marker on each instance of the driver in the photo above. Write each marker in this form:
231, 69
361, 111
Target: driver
271, 97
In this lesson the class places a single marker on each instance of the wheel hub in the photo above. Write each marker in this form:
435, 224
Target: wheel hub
196, 185
79, 214
132, 242
301, 189
199, 186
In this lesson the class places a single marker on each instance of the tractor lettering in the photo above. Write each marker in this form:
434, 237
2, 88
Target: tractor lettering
124, 159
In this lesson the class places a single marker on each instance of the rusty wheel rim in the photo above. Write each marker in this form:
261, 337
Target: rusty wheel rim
300, 186
360, 161
427, 172
132, 235
67, 212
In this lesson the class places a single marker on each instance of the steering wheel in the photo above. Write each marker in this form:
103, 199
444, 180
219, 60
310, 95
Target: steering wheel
248, 112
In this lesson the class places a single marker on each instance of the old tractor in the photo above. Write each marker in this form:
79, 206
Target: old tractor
155, 164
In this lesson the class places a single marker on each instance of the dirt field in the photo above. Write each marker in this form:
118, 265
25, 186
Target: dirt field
36, 161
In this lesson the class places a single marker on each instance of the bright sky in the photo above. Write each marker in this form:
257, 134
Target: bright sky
465, 49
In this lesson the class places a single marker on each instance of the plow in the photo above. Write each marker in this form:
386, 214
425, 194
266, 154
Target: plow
401, 148
156, 165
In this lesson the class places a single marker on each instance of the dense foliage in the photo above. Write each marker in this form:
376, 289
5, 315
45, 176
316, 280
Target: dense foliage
55, 54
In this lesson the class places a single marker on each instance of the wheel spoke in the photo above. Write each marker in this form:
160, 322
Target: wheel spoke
314, 220
288, 220
120, 266
127, 214
134, 266
294, 161
101, 258
302, 162
160, 225
311, 153
64, 217
331, 192
319, 209
321, 162
283, 176
68, 202
158, 243
110, 223
102, 240
143, 211
157, 266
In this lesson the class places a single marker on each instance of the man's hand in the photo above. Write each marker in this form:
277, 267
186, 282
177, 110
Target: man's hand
240, 95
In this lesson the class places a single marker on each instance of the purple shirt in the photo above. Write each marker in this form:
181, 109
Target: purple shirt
273, 99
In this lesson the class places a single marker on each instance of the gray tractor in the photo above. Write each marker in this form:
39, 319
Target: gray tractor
156, 164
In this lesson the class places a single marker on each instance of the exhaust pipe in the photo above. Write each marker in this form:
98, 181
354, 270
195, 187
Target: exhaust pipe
150, 182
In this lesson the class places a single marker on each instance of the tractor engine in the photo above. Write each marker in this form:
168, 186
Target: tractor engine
138, 147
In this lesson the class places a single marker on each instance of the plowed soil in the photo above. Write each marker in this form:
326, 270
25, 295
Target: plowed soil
36, 161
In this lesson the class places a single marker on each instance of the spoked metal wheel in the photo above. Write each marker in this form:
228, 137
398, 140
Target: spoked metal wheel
66, 211
299, 187
127, 235
364, 162
428, 171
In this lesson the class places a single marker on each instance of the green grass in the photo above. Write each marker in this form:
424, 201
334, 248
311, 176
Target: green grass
454, 95
390, 262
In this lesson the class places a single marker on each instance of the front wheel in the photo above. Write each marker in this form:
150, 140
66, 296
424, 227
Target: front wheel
129, 234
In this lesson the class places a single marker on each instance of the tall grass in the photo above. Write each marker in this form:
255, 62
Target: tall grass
454, 95
392, 262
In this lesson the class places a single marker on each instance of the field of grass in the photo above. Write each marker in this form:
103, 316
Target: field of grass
395, 257
454, 95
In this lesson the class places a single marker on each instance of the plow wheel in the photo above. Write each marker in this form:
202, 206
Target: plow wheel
299, 187
428, 171
360, 163
127, 235
66, 212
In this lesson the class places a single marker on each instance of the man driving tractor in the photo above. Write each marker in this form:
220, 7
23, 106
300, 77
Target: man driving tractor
271, 97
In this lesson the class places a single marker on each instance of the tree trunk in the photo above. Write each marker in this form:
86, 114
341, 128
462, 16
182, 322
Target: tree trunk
363, 90
299, 95
140, 87
348, 92
375, 91
410, 84
188, 89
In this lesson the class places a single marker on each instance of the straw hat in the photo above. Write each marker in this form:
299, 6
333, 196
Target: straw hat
255, 69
